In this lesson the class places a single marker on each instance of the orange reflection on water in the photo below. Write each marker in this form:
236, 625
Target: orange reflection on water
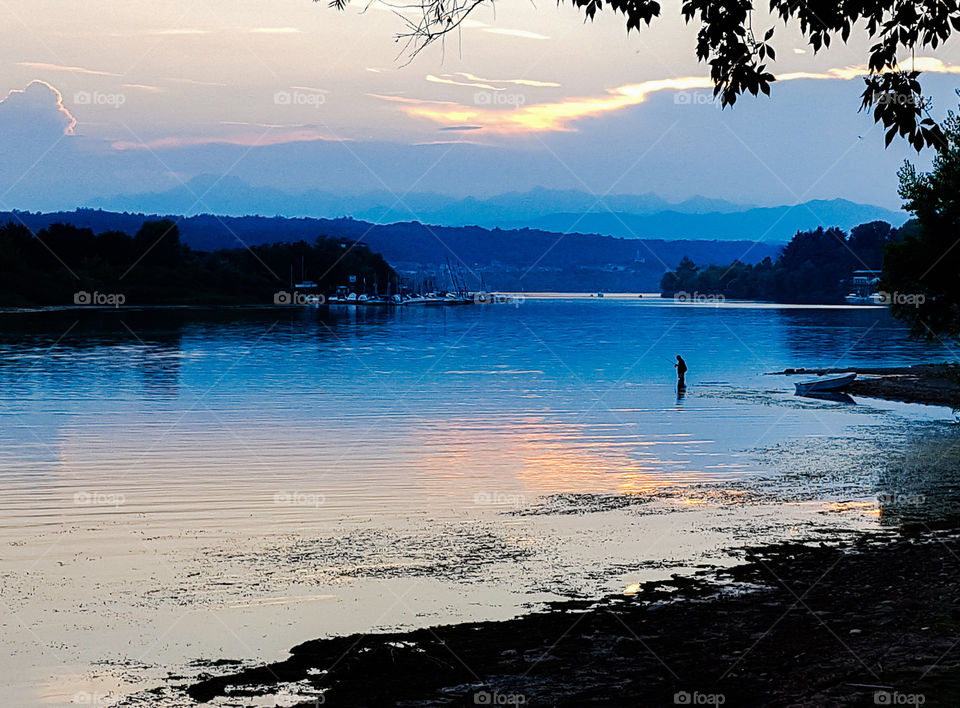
545, 457
864, 507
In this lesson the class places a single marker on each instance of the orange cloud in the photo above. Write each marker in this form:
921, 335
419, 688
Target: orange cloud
927, 64
495, 114
543, 117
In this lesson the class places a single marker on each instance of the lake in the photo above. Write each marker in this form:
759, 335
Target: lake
183, 485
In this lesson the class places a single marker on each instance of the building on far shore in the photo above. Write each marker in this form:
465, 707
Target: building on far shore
865, 283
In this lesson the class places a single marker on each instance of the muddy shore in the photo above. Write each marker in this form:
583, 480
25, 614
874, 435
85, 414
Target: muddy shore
864, 621
931, 384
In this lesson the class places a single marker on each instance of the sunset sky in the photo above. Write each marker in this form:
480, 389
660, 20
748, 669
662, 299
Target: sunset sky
294, 95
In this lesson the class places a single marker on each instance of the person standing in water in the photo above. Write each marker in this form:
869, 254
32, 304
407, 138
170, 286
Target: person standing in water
681, 371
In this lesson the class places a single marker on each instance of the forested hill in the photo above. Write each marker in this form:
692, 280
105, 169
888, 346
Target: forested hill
65, 265
815, 267
524, 258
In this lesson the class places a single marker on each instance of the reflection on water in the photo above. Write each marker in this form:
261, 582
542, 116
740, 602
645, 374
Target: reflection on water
205, 414
248, 461
920, 484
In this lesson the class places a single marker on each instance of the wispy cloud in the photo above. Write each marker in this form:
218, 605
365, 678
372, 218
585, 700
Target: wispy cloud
180, 31
44, 66
192, 82
274, 30
473, 81
453, 82
408, 11
932, 65
522, 34
250, 124
144, 87
310, 89
448, 142
846, 73
560, 116
244, 139
518, 82
411, 101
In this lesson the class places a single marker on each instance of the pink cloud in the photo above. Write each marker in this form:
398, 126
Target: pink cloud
243, 139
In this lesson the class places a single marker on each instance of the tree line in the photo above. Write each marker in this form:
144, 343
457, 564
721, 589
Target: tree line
920, 261
814, 267
59, 264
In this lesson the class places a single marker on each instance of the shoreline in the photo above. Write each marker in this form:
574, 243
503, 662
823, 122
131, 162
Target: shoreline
864, 620
928, 384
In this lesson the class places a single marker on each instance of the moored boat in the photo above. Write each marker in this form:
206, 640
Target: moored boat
874, 299
833, 383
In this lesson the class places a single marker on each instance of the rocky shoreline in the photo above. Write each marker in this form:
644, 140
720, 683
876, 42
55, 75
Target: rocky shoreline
869, 620
930, 384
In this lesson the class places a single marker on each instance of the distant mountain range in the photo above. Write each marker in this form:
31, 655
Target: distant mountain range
757, 224
562, 211
514, 259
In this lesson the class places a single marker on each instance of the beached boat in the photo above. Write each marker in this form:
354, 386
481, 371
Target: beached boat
834, 383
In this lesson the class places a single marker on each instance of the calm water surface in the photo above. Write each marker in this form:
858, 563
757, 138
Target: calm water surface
183, 485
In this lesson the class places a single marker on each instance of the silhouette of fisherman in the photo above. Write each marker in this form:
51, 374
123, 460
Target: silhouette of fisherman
681, 366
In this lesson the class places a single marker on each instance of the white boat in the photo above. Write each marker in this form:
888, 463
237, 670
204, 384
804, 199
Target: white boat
874, 299
834, 383
439, 299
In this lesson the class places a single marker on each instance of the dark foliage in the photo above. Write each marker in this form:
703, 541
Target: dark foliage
154, 267
815, 267
507, 259
927, 262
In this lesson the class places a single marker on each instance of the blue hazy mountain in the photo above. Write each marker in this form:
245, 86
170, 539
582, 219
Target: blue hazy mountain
562, 211
234, 197
757, 224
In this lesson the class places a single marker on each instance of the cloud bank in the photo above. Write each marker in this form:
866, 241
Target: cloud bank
36, 111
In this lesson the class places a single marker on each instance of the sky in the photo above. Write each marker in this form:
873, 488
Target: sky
106, 98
